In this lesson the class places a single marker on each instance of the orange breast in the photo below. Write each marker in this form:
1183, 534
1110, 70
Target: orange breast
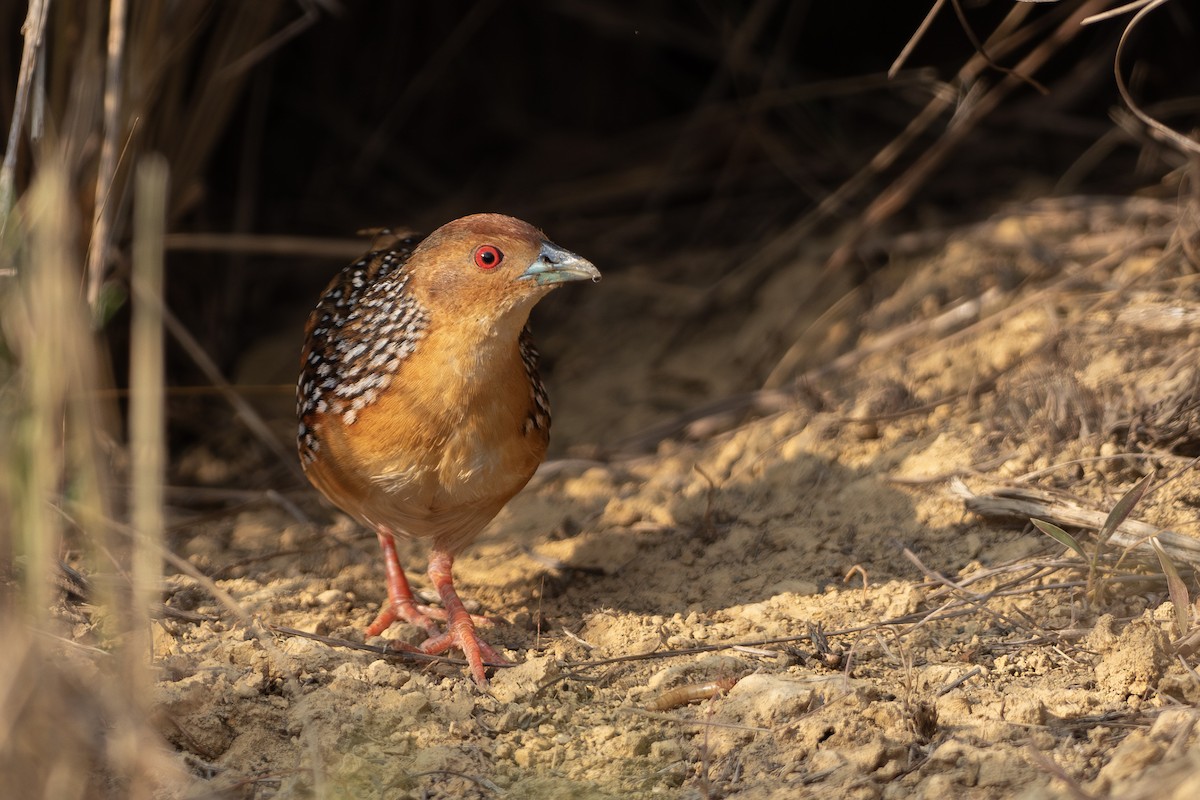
442, 449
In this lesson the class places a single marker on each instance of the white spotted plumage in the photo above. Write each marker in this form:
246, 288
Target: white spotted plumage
539, 415
364, 326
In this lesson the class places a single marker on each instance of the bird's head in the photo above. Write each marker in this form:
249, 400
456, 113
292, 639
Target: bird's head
492, 268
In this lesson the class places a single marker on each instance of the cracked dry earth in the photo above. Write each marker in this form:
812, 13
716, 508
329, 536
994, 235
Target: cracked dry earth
893, 644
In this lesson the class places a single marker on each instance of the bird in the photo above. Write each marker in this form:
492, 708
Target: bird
421, 410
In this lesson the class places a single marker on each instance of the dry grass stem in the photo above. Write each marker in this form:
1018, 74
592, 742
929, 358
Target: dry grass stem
147, 404
1023, 502
1173, 137
98, 254
35, 28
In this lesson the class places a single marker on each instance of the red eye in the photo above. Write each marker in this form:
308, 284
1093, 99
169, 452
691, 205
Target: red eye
488, 257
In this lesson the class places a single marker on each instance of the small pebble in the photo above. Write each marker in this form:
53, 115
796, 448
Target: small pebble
330, 596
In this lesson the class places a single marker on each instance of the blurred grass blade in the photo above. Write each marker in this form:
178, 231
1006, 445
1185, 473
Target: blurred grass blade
1120, 512
1124, 508
1177, 589
147, 426
46, 355
147, 450
1059, 535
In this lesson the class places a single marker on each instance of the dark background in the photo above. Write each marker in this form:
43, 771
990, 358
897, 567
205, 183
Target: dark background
690, 136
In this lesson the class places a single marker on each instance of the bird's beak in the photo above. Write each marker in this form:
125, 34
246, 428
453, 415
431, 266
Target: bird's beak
556, 265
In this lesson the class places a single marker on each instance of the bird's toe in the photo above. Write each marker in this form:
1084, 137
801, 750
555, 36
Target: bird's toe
477, 652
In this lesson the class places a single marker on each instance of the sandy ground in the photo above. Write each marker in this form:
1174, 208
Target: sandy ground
890, 643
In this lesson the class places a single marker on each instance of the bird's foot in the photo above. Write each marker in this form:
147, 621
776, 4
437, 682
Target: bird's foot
478, 653
475, 650
460, 625
406, 612
460, 631
400, 605
425, 617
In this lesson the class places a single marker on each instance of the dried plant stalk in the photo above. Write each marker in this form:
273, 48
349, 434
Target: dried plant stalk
113, 126
50, 326
147, 423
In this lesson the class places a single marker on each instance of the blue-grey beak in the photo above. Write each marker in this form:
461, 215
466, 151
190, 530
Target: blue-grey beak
556, 265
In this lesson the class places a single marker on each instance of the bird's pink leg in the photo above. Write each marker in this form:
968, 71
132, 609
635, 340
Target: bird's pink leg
461, 633
400, 603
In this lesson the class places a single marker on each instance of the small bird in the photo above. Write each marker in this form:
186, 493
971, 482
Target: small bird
421, 409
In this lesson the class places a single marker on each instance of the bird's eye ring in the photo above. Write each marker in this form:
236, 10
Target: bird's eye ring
488, 257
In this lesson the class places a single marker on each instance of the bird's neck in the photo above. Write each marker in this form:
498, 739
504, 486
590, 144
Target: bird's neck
481, 352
